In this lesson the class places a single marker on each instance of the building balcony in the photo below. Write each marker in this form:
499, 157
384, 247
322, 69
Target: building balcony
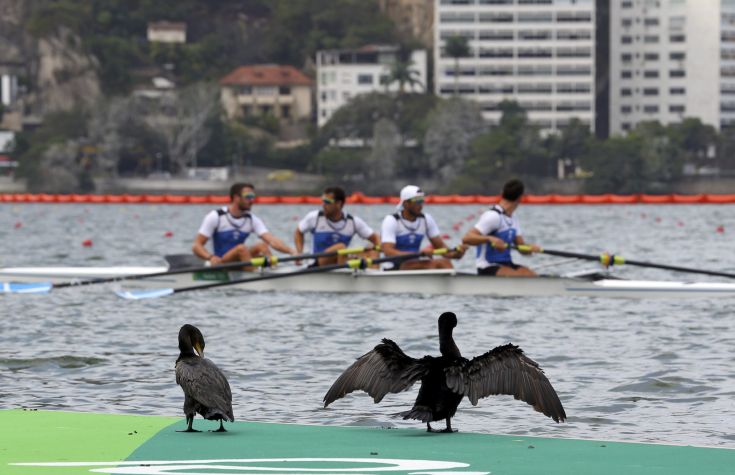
264, 100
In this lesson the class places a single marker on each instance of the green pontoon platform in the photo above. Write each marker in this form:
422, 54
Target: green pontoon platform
63, 443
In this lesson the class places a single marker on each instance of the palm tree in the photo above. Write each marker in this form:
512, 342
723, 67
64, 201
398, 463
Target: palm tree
402, 72
457, 47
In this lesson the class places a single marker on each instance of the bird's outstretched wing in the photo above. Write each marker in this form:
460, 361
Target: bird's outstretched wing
203, 381
385, 369
505, 370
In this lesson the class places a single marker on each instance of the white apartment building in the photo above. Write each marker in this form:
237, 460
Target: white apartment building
671, 59
344, 74
540, 53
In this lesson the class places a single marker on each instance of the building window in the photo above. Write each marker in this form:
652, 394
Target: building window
626, 109
625, 126
284, 90
677, 38
677, 91
626, 22
653, 109
651, 22
626, 74
651, 56
626, 57
677, 109
286, 112
677, 73
365, 79
650, 74
650, 91
626, 40
626, 92
650, 39
265, 91
627, 4
677, 55
246, 90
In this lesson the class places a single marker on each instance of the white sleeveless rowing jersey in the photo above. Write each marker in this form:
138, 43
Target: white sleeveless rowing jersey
407, 235
327, 233
494, 222
227, 231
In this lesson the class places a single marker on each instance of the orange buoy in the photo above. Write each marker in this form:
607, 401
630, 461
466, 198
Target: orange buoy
168, 234
720, 229
87, 243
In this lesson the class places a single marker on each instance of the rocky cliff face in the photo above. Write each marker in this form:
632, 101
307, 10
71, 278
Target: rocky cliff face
414, 17
56, 71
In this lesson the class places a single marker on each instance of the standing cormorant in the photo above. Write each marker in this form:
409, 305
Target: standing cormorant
446, 379
206, 390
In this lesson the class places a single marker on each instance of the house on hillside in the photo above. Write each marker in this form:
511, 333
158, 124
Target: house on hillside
261, 90
167, 32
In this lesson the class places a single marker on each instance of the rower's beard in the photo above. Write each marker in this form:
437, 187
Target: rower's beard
243, 207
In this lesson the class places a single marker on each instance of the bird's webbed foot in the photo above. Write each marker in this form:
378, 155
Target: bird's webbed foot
447, 430
221, 428
189, 423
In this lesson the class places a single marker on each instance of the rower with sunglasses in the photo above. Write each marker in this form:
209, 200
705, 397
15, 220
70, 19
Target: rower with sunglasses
229, 228
332, 229
403, 232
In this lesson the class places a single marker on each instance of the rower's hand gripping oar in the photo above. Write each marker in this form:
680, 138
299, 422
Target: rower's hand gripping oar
45, 287
607, 260
361, 263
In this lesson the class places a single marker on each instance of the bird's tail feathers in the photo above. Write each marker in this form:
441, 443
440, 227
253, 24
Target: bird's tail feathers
421, 413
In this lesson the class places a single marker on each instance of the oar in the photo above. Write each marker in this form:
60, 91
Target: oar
607, 259
351, 264
44, 287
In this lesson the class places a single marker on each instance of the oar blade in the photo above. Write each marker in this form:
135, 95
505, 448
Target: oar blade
26, 288
143, 294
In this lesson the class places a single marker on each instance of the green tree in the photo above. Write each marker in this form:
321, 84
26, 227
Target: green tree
456, 47
402, 71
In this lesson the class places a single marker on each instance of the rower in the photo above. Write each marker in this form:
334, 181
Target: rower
403, 231
229, 228
332, 229
496, 232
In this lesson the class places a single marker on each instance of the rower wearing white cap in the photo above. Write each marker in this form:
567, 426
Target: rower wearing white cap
403, 232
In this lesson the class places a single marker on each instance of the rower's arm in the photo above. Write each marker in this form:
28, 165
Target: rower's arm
439, 243
375, 239
199, 248
519, 241
298, 240
476, 238
277, 244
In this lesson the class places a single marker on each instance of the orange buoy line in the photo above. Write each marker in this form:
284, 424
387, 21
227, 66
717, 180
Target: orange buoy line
359, 198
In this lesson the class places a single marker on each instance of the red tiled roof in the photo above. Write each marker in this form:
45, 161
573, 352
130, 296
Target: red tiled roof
265, 75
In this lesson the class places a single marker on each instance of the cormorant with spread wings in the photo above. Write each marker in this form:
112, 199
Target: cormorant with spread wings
446, 379
206, 390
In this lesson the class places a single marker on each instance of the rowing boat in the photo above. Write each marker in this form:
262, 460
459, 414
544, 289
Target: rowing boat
427, 282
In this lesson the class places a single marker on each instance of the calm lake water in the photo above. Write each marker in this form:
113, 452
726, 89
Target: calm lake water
657, 371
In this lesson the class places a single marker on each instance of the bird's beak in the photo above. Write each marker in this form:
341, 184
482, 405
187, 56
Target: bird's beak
198, 348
